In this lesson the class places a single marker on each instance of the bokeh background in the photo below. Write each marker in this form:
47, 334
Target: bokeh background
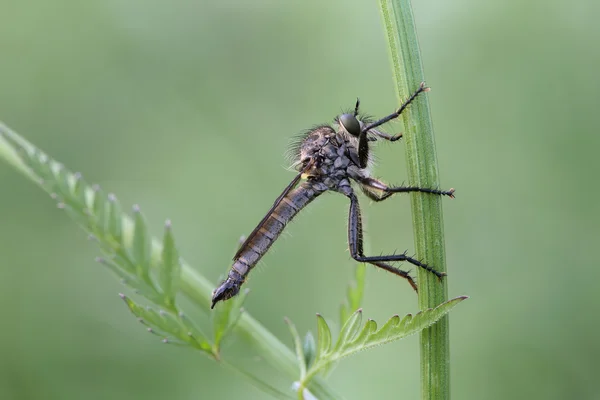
186, 108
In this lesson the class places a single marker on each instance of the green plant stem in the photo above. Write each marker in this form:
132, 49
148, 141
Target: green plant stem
426, 209
195, 286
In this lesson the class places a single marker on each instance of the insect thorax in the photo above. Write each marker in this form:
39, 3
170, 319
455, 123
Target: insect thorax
329, 151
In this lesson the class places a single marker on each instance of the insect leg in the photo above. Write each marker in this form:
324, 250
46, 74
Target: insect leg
356, 248
379, 191
355, 242
422, 88
383, 135
375, 195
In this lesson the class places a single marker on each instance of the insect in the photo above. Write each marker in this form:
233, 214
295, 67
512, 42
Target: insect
329, 159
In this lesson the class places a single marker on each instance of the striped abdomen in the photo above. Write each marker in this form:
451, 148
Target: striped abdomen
263, 236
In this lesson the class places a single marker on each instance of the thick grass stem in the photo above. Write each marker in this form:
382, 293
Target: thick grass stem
426, 209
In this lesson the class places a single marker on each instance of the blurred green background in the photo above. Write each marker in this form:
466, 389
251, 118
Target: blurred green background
187, 107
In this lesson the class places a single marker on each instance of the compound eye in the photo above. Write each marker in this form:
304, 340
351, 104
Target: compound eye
350, 124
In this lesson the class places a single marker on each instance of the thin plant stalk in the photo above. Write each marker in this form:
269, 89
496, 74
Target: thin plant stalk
426, 209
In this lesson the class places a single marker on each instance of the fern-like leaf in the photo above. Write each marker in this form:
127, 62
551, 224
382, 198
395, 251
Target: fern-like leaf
169, 270
140, 248
353, 338
173, 328
129, 256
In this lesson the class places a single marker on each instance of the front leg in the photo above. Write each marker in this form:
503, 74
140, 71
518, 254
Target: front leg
422, 89
383, 135
379, 191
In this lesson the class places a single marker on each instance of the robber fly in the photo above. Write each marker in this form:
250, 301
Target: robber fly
328, 158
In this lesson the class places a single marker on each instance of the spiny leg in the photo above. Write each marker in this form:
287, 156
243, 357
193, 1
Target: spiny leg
355, 242
383, 135
375, 195
422, 88
396, 271
379, 191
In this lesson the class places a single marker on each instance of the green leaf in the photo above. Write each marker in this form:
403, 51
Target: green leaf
141, 242
354, 339
140, 248
195, 333
121, 258
62, 177
226, 316
165, 323
140, 287
170, 267
349, 330
298, 347
115, 227
98, 208
323, 337
97, 214
78, 188
309, 348
127, 279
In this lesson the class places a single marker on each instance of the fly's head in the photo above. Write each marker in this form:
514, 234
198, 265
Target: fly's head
330, 150
350, 125
352, 128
